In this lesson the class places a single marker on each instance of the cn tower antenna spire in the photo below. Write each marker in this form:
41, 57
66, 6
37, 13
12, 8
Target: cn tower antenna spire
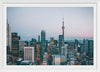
63, 30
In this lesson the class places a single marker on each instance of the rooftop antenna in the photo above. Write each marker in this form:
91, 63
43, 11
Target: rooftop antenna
63, 30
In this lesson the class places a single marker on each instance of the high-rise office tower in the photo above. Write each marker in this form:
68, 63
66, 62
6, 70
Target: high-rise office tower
9, 43
53, 49
55, 42
29, 54
38, 38
33, 42
43, 41
82, 47
52, 46
49, 59
70, 50
49, 56
85, 42
15, 44
51, 41
26, 43
46, 45
90, 53
38, 54
21, 47
76, 45
43, 37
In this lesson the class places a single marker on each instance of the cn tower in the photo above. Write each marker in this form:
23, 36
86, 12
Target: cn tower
63, 31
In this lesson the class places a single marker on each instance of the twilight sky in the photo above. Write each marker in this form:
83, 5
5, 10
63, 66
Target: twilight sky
29, 21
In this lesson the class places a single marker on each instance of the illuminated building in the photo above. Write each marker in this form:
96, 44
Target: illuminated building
45, 59
51, 41
15, 44
49, 60
38, 55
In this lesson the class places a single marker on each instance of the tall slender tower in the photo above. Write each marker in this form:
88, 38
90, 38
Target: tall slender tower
63, 31
9, 39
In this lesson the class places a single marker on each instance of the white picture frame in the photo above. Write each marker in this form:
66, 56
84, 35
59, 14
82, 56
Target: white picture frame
36, 3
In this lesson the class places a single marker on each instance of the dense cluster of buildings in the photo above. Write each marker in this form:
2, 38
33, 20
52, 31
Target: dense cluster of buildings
48, 52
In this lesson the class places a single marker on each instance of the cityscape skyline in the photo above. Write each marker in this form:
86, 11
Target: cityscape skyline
54, 51
79, 28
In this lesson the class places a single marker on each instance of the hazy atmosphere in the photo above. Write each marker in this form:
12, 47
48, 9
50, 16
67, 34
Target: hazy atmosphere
29, 21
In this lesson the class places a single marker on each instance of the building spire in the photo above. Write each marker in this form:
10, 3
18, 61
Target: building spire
63, 30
